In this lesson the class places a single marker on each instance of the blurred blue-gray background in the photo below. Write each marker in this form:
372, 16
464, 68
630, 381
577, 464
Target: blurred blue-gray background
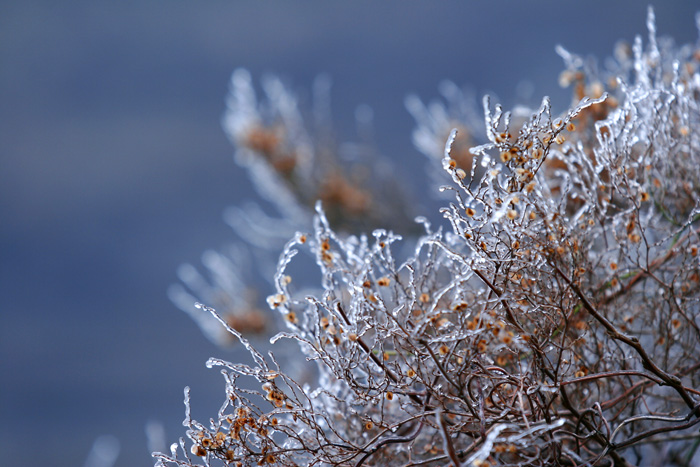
114, 170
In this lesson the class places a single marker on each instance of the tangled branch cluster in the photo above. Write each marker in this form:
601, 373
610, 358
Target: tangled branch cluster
556, 322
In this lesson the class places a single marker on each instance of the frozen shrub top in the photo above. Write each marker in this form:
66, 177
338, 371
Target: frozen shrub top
555, 323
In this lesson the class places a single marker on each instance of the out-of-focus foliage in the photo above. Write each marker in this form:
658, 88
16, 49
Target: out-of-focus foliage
556, 321
293, 160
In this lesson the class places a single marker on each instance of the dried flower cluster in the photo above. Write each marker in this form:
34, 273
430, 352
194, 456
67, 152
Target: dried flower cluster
556, 322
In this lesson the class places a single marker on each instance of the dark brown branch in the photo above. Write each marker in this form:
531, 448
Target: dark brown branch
647, 362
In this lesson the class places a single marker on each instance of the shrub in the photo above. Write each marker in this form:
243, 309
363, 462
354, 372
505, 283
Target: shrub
555, 321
